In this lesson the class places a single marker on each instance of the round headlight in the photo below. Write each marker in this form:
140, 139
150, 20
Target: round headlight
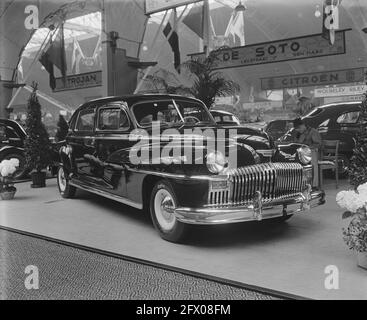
216, 162
304, 154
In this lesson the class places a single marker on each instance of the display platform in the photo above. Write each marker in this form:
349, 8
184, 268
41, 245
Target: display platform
289, 257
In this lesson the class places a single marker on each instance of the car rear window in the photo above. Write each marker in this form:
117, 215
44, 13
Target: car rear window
277, 125
348, 117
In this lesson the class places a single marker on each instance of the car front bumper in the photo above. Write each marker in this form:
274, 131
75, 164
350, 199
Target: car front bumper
257, 211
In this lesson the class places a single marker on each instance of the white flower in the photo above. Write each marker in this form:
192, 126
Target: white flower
351, 200
8, 167
343, 197
362, 190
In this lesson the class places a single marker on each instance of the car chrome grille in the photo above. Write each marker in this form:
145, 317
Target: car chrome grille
273, 180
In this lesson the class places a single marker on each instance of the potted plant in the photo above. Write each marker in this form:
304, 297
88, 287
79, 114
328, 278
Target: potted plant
355, 235
37, 145
355, 201
7, 170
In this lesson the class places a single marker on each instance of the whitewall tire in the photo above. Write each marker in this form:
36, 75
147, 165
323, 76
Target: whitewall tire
65, 189
164, 221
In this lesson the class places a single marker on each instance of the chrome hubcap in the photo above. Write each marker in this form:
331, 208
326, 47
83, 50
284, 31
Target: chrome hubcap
62, 180
163, 202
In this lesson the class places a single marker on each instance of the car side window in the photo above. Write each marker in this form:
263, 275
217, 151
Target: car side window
7, 132
113, 118
3, 135
85, 120
324, 123
348, 118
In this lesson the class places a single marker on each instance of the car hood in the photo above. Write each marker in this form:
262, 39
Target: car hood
254, 138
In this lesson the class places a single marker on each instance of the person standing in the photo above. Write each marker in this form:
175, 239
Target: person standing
311, 137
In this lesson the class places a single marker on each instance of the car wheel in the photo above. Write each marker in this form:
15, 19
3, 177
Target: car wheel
22, 170
65, 189
164, 221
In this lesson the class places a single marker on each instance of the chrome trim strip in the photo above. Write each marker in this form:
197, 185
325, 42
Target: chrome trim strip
225, 215
107, 195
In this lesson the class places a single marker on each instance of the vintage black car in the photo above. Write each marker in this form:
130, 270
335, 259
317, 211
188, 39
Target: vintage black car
101, 155
337, 121
12, 137
277, 128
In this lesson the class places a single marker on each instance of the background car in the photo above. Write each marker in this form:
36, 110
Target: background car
278, 128
12, 137
337, 121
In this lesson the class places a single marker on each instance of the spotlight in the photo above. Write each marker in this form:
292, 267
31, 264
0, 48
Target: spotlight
317, 12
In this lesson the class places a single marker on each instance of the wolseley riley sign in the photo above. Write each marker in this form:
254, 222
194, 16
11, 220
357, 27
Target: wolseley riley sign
313, 79
310, 46
152, 6
340, 91
79, 81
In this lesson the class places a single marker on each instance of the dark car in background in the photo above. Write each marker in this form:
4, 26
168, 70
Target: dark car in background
12, 137
337, 121
277, 128
257, 183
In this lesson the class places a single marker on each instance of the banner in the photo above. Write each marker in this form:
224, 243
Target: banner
265, 105
79, 81
356, 98
313, 79
340, 91
154, 6
305, 47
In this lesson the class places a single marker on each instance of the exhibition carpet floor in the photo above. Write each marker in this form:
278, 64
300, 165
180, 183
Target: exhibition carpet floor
288, 258
67, 272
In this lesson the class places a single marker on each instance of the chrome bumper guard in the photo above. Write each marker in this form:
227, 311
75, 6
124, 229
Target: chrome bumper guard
258, 210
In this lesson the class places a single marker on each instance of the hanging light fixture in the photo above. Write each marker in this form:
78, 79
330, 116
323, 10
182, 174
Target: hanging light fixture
317, 11
240, 7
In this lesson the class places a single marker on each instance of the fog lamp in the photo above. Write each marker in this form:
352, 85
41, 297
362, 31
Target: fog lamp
216, 162
304, 154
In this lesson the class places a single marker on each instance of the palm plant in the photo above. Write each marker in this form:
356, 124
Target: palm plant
207, 83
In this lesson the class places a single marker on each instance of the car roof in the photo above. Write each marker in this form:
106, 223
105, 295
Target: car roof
134, 98
339, 105
12, 123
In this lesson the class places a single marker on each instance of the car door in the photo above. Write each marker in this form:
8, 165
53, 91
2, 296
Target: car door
82, 140
347, 127
112, 143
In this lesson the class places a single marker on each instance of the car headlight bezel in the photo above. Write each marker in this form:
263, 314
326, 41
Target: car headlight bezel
216, 162
304, 154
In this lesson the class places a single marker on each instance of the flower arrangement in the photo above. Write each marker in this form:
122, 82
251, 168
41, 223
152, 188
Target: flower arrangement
355, 202
7, 170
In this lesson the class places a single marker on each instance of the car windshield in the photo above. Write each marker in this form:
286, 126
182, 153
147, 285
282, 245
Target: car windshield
171, 112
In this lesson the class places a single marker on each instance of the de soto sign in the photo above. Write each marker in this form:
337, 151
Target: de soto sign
305, 47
